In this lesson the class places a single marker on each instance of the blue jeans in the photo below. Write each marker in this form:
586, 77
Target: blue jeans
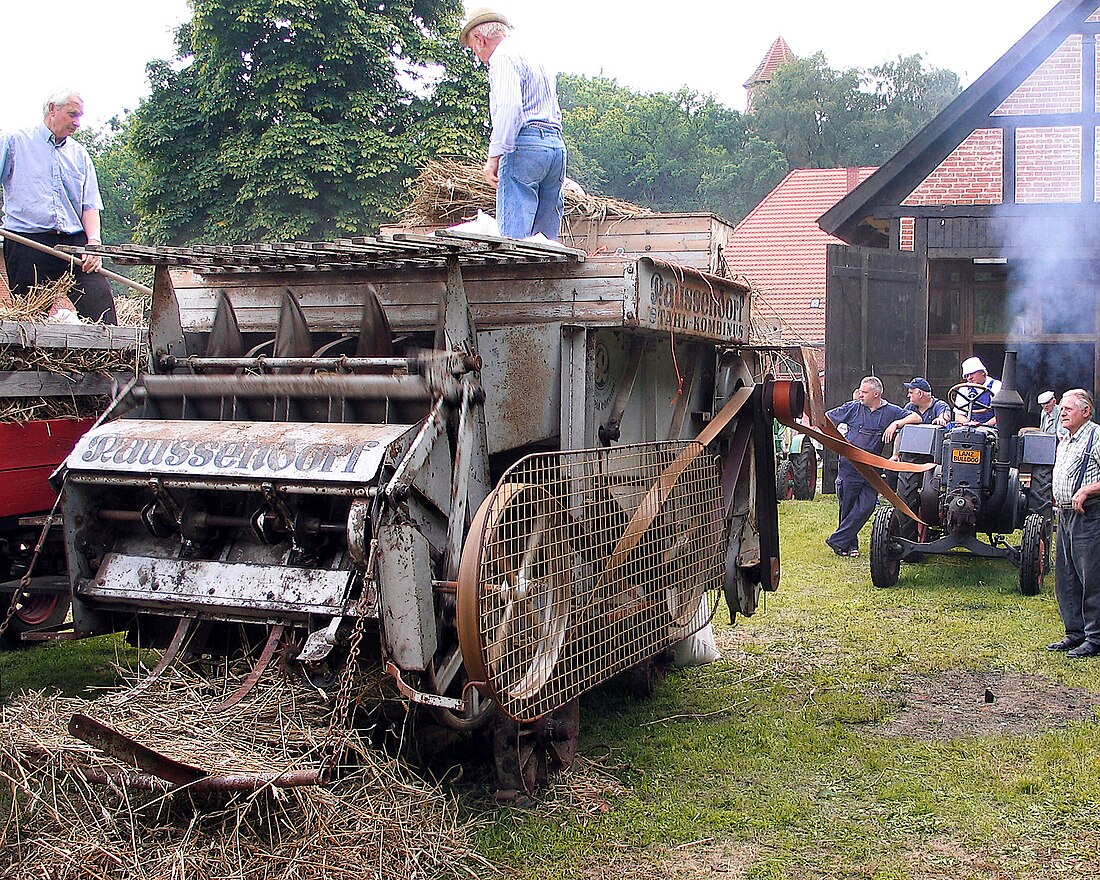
529, 194
857, 503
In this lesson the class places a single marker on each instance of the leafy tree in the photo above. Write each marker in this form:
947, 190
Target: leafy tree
118, 174
300, 118
668, 152
820, 117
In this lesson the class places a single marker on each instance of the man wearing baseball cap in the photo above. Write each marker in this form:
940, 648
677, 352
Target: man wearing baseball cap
526, 161
921, 408
981, 410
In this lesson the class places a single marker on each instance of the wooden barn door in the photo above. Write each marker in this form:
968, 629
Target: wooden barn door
876, 323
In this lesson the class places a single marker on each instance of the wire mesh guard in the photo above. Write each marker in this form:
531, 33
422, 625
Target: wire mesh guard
581, 564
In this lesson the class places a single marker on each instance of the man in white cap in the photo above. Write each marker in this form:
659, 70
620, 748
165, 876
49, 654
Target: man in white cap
526, 161
981, 410
1050, 420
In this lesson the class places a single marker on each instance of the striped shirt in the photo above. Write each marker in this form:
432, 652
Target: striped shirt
1070, 460
520, 92
47, 185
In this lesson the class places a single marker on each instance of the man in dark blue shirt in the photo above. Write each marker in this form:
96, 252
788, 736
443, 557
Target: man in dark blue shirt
867, 419
922, 408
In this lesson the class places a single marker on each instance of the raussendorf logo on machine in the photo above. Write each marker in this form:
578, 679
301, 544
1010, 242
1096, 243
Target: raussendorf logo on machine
680, 302
228, 455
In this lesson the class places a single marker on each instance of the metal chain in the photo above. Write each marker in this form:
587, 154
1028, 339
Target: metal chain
341, 711
25, 581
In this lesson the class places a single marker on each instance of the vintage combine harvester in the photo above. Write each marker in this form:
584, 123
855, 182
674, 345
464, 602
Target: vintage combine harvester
500, 471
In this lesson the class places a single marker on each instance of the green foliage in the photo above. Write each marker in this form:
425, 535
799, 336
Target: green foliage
118, 173
668, 152
820, 117
300, 118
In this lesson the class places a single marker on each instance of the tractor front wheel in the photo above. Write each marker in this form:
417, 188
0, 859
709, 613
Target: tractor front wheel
885, 561
784, 480
1034, 555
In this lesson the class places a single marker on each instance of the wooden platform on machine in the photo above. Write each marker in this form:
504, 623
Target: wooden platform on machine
508, 283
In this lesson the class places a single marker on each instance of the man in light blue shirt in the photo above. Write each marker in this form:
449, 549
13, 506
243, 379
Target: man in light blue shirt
51, 195
526, 160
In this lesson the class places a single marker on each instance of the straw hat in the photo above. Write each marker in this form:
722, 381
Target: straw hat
481, 15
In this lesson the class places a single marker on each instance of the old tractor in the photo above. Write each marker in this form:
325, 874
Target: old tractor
500, 471
992, 480
796, 461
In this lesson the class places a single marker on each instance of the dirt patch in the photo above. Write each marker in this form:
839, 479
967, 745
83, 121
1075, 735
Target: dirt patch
692, 861
944, 705
961, 703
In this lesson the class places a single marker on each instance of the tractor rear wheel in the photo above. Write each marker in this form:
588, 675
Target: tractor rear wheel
1040, 494
804, 465
1034, 555
885, 564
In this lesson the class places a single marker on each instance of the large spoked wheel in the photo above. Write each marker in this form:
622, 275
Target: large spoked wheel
784, 480
1034, 555
885, 551
515, 582
804, 472
35, 611
968, 404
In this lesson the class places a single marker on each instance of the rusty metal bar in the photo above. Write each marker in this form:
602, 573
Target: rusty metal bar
201, 519
290, 487
347, 364
129, 751
320, 385
257, 670
227, 783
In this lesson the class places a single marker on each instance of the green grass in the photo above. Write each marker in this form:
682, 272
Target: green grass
72, 668
784, 767
771, 754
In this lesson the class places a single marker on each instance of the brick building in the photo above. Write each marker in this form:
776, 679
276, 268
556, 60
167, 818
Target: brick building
781, 249
983, 232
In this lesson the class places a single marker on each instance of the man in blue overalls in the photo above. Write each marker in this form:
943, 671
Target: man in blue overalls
867, 417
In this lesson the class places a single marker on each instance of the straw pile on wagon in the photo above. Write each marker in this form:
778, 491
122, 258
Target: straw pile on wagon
69, 357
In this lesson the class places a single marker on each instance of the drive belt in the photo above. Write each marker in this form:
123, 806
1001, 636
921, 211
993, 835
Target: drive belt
867, 463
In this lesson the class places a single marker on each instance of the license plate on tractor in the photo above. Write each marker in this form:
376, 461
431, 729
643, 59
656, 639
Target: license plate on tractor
966, 456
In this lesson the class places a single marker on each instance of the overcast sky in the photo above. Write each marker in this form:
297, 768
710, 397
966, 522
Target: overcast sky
711, 47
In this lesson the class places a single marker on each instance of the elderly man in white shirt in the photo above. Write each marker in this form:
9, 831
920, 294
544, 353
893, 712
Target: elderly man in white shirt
1076, 495
526, 160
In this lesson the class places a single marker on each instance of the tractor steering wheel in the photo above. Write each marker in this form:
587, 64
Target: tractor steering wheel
969, 404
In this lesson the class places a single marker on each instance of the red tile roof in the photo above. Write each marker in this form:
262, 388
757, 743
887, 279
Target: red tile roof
779, 54
781, 249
